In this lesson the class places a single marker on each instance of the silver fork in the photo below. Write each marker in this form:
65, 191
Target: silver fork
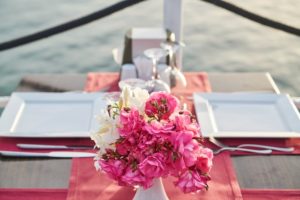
224, 147
283, 149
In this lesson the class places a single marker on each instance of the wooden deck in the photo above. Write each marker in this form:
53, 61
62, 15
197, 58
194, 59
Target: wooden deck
252, 171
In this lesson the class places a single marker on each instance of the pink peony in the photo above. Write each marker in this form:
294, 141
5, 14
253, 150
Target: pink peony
135, 178
114, 168
153, 166
191, 181
161, 105
204, 160
130, 121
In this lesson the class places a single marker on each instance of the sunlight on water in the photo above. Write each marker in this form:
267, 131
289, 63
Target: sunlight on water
217, 41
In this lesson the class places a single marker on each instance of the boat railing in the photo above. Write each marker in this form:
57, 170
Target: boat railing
172, 20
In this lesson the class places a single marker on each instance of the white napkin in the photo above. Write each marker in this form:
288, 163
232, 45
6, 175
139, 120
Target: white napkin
144, 67
128, 72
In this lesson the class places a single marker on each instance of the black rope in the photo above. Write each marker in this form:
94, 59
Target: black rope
68, 25
254, 17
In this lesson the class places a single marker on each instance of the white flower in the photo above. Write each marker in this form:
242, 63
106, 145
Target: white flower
124, 98
105, 140
107, 134
138, 99
134, 98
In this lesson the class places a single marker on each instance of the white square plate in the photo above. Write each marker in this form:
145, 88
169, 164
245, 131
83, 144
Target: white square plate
51, 114
247, 115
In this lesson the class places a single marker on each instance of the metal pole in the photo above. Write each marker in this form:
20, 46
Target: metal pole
173, 21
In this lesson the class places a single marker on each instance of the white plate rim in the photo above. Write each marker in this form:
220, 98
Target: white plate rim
205, 116
19, 97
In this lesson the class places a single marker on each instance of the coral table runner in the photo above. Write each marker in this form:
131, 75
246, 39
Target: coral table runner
86, 183
33, 194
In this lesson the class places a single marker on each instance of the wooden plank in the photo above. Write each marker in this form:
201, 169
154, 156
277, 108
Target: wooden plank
34, 173
242, 82
220, 82
52, 82
276, 171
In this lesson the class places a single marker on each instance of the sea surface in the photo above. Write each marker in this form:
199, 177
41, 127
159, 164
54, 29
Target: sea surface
217, 40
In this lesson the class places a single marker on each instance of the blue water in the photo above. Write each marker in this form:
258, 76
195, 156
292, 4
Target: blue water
217, 41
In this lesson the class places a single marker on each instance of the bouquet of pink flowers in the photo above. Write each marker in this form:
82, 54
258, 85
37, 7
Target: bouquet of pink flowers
145, 137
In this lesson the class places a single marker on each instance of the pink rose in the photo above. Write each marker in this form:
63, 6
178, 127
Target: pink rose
191, 181
113, 168
135, 178
186, 147
130, 121
153, 166
184, 120
146, 140
159, 128
204, 160
123, 148
161, 105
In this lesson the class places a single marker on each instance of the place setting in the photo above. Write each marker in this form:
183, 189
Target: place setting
248, 120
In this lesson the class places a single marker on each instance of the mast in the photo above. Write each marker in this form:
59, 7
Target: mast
173, 21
